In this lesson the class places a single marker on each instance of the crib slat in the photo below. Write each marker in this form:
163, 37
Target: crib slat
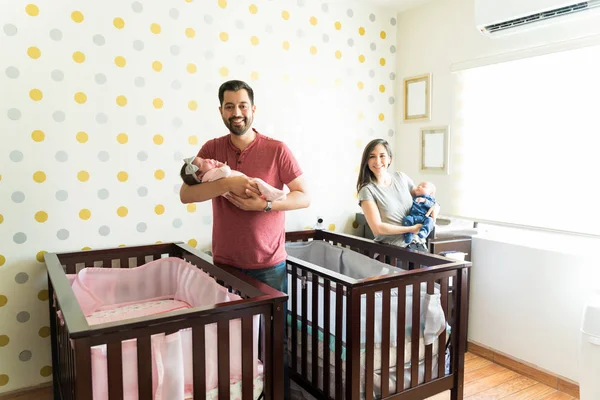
370, 311
414, 351
115, 371
315, 329
124, 262
400, 339
385, 343
442, 337
353, 309
304, 323
144, 357
339, 309
247, 357
428, 348
199, 357
294, 326
223, 353
326, 333
71, 268
141, 260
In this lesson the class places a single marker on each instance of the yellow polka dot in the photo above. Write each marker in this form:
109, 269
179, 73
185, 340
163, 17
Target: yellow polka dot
192, 105
193, 242
253, 9
222, 3
254, 76
361, 115
193, 140
158, 242
189, 32
286, 77
159, 209
192, 68
286, 45
81, 137
338, 82
224, 36
44, 331
80, 97
38, 136
121, 101
188, 1
1, 218
83, 176
254, 41
122, 176
331, 227
159, 174
77, 16
155, 28
4, 340
337, 25
381, 88
190, 207
78, 57
157, 66
36, 94
285, 15
313, 21
39, 176
34, 52
2, 261
32, 10
122, 138
382, 61
338, 54
85, 214
41, 216
120, 61
40, 255
360, 85
382, 34
86, 248
158, 103
119, 23
313, 50
122, 211
43, 295
3, 380
381, 117
121, 245
358, 144
361, 31
46, 371
361, 58
158, 139
223, 71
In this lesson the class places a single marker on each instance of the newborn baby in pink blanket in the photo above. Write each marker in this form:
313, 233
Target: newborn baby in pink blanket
196, 170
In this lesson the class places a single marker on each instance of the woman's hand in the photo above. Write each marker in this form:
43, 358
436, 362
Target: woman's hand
434, 211
416, 228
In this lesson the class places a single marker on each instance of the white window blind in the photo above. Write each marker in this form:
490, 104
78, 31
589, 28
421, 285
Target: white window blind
527, 142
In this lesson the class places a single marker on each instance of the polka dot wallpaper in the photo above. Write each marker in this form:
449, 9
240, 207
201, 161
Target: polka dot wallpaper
101, 101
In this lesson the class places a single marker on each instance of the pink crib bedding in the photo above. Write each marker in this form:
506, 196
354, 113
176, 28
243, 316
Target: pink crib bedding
164, 285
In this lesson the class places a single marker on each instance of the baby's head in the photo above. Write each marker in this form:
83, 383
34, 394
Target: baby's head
425, 188
194, 168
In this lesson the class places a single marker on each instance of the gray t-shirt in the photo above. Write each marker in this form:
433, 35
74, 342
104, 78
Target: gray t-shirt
394, 203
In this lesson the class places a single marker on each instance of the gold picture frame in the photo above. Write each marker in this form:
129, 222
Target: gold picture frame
435, 144
417, 98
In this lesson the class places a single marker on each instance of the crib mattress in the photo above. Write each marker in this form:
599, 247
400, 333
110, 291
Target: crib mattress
135, 310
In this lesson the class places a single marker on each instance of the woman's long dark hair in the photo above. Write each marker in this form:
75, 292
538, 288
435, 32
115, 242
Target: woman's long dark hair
365, 176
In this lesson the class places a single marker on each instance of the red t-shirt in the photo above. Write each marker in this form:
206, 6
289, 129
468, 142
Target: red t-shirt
251, 239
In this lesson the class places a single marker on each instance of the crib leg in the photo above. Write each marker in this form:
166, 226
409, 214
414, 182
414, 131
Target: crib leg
277, 332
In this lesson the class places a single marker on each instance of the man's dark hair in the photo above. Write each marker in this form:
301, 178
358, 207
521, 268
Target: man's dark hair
187, 178
235, 86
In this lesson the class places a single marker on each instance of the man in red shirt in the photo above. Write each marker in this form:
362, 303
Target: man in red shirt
249, 231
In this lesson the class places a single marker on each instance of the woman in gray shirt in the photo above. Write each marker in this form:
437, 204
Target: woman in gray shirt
386, 197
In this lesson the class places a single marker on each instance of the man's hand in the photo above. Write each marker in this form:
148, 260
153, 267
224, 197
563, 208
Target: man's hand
250, 202
239, 185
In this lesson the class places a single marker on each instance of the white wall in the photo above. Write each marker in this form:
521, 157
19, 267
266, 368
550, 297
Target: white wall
528, 289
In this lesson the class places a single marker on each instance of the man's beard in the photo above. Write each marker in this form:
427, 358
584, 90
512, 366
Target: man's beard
241, 129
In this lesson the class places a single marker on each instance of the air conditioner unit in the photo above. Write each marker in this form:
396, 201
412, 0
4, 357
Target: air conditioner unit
500, 17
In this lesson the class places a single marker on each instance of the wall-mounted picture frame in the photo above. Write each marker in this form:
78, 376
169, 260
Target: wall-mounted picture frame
417, 98
435, 144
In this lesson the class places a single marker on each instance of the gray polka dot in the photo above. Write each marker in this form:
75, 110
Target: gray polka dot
392, 49
56, 34
371, 73
300, 3
177, 188
99, 40
177, 156
372, 17
208, 19
100, 78
371, 98
393, 21
12, 72
373, 46
137, 7
350, 42
174, 13
62, 234
391, 100
13, 114
300, 33
103, 194
21, 277
25, 355
103, 156
175, 50
239, 24
16, 156
392, 76
61, 156
104, 230
350, 13
142, 191
59, 116
177, 223
57, 75
325, 38
23, 316
19, 238
101, 118
391, 133
269, 28
324, 7
141, 227
61, 195
142, 156
207, 220
209, 55
10, 30
140, 82
18, 197
140, 120
138, 45
175, 85
240, 59
177, 122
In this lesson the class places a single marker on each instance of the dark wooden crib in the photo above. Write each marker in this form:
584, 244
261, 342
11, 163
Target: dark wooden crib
71, 341
450, 276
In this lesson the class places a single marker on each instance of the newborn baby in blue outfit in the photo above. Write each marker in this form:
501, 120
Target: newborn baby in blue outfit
419, 213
